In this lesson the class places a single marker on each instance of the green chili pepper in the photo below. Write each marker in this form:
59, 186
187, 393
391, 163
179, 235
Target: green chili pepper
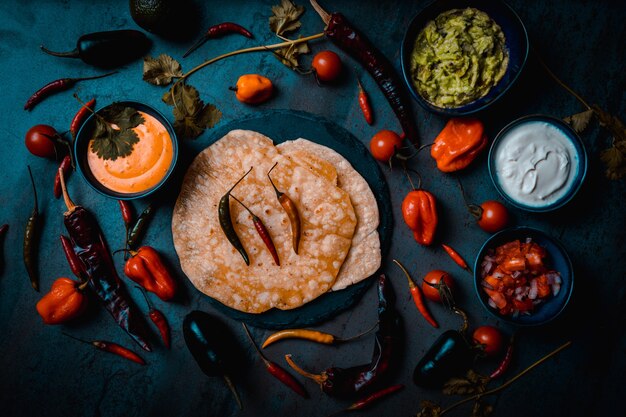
138, 230
226, 222
30, 239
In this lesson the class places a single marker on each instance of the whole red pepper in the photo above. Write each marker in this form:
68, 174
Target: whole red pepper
419, 210
458, 144
146, 268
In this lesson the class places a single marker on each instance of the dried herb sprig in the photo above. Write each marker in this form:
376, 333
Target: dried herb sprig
614, 157
286, 18
480, 409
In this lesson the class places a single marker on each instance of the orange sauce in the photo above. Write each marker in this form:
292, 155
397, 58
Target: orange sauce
144, 168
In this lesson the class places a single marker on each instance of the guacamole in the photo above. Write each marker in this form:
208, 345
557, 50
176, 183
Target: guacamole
458, 57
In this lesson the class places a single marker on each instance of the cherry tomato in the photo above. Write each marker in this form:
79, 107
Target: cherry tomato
434, 278
39, 141
327, 65
490, 338
494, 217
384, 145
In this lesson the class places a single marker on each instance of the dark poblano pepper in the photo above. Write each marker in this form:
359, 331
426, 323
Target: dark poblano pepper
108, 49
450, 355
212, 346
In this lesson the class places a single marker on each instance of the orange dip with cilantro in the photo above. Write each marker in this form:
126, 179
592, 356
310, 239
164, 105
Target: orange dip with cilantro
144, 168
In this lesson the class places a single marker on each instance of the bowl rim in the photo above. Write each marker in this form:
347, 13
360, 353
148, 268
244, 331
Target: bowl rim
113, 194
516, 230
570, 133
455, 111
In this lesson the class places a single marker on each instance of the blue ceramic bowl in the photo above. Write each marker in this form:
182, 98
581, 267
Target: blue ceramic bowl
81, 147
557, 259
516, 43
581, 169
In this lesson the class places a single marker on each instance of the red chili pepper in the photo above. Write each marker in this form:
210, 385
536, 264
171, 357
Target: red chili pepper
262, 231
218, 30
372, 398
364, 104
419, 210
75, 263
158, 319
456, 257
55, 87
80, 117
113, 348
506, 361
127, 212
418, 298
276, 371
66, 167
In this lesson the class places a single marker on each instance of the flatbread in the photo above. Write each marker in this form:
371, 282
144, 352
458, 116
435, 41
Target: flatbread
214, 266
364, 257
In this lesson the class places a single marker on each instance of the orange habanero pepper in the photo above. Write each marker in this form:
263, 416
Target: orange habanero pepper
253, 89
64, 302
146, 268
458, 144
419, 210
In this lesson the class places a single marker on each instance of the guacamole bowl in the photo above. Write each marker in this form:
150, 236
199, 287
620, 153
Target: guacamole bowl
515, 43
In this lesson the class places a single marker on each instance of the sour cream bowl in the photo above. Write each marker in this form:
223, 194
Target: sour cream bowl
537, 163
141, 173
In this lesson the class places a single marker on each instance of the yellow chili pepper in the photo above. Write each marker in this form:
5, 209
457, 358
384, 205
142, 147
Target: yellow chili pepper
312, 335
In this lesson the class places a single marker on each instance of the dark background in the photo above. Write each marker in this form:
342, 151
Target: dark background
45, 374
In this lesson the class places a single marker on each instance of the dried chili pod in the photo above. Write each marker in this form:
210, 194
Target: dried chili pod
291, 210
31, 236
113, 348
226, 223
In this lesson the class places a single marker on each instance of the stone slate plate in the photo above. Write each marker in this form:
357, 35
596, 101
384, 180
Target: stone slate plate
284, 125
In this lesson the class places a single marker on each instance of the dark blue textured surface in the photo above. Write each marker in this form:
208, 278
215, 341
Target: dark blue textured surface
45, 374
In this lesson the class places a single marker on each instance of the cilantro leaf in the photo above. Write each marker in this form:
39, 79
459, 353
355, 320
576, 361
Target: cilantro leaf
285, 17
191, 115
161, 70
579, 121
113, 135
289, 55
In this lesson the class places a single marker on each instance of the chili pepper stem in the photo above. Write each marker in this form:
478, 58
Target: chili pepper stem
254, 216
78, 338
233, 389
278, 193
349, 339
145, 296
317, 378
254, 344
68, 202
464, 317
419, 177
323, 13
130, 251
196, 45
509, 382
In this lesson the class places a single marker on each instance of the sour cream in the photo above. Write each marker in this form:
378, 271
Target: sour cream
536, 163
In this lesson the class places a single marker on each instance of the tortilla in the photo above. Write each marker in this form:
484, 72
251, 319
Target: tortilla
215, 267
364, 257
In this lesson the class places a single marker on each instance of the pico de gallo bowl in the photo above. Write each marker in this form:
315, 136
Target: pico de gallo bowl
523, 276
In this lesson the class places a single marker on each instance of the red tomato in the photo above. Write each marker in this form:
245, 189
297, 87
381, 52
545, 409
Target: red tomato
39, 141
494, 216
384, 145
490, 339
327, 65
434, 278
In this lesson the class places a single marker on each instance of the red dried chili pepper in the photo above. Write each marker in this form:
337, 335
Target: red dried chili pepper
80, 117
158, 318
262, 231
371, 399
113, 348
364, 104
57, 86
456, 257
276, 371
218, 30
77, 267
506, 361
66, 167
418, 298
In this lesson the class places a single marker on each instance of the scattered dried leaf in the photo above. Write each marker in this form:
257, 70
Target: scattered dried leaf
286, 17
113, 135
481, 409
161, 70
429, 409
579, 121
191, 116
473, 383
289, 55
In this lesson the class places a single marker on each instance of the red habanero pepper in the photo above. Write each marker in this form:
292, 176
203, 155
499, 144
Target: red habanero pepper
458, 144
80, 117
419, 210
262, 231
276, 371
158, 318
64, 302
418, 298
458, 259
146, 268
78, 269
113, 348
506, 361
371, 399
217, 31
66, 167
57, 86
364, 104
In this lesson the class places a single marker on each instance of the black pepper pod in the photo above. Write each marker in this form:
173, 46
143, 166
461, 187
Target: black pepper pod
213, 347
108, 49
